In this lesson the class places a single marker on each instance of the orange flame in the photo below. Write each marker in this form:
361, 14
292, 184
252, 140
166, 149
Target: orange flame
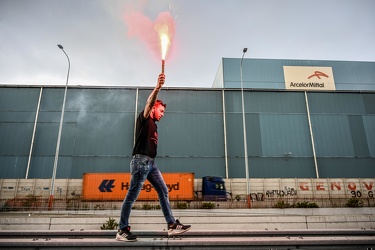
164, 26
165, 43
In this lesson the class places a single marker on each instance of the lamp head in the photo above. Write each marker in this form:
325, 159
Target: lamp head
244, 50
60, 46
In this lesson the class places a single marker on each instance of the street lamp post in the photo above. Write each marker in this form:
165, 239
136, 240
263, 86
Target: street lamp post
244, 136
50, 203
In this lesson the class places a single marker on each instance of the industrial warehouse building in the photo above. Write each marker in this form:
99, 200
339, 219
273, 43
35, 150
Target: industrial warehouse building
304, 119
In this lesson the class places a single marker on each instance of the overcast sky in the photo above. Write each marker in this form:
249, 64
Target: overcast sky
95, 36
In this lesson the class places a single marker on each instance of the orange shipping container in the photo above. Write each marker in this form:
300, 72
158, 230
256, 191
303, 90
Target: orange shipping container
114, 186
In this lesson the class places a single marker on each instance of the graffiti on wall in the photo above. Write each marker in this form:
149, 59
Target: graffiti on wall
354, 189
287, 191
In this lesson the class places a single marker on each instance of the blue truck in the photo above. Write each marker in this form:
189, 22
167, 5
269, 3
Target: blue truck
213, 189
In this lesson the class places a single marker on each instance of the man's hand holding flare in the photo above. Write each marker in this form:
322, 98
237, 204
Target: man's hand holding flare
161, 81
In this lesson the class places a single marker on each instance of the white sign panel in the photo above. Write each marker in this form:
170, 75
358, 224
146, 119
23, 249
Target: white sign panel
308, 78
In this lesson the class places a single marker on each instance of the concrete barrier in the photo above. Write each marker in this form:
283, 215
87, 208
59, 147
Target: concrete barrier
217, 219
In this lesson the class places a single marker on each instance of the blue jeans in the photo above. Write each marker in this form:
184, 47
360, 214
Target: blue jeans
142, 168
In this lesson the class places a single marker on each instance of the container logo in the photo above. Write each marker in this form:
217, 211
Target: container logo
148, 187
106, 186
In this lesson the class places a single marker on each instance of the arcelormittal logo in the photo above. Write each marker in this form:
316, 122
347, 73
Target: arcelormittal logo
308, 78
318, 74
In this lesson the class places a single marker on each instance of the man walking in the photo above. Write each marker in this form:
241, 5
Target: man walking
143, 167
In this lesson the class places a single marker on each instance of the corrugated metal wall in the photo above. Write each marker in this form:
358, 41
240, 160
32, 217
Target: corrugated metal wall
98, 132
344, 125
277, 125
17, 113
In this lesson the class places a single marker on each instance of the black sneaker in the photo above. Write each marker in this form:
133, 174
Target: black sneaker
177, 228
125, 235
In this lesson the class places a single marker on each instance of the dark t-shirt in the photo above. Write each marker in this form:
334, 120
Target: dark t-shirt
146, 140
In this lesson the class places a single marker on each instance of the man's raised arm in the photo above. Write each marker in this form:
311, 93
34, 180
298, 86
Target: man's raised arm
153, 96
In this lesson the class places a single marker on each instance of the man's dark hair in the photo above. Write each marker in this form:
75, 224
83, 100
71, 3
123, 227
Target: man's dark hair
160, 102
